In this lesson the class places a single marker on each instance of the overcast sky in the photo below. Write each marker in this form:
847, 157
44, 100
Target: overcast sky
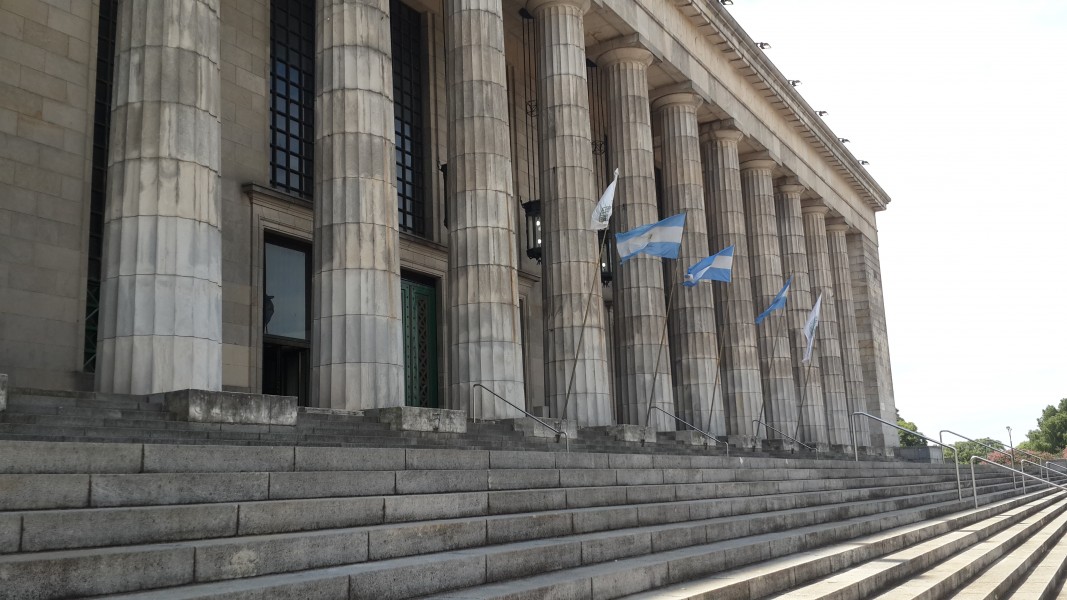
959, 107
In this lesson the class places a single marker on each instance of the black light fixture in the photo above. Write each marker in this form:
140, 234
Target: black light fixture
864, 162
763, 45
726, 2
794, 82
533, 229
822, 113
606, 273
843, 140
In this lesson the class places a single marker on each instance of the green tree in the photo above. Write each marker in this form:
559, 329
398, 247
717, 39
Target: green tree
964, 450
908, 440
1051, 432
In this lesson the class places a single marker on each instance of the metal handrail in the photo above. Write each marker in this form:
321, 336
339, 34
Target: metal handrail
956, 452
1022, 467
787, 436
559, 432
1019, 450
1058, 469
694, 428
852, 424
986, 460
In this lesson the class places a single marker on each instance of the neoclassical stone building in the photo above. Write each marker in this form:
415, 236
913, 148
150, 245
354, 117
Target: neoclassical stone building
369, 203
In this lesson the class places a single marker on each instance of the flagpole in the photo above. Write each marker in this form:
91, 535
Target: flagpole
804, 392
662, 341
718, 369
581, 334
774, 348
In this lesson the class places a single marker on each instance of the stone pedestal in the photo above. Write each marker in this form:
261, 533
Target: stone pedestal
413, 418
689, 438
827, 340
629, 433
692, 332
776, 368
643, 362
204, 406
357, 345
807, 377
532, 428
3, 392
161, 288
570, 265
836, 231
740, 372
483, 291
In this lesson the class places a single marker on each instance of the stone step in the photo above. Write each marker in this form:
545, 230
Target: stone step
1013, 568
1045, 581
773, 577
451, 574
961, 554
525, 544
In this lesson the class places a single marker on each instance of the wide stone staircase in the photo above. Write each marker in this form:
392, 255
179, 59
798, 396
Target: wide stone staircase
272, 518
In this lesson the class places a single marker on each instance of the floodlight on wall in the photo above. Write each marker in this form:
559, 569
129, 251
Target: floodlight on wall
794, 82
864, 163
763, 45
844, 140
726, 2
822, 113
533, 229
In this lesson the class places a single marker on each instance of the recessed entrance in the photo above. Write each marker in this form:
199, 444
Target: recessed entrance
287, 318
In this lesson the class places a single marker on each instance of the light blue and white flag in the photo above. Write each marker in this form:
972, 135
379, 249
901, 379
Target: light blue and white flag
602, 211
778, 302
717, 267
809, 329
657, 239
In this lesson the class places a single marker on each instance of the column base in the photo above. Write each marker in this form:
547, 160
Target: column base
841, 448
628, 433
531, 428
747, 443
689, 438
3, 392
207, 406
414, 418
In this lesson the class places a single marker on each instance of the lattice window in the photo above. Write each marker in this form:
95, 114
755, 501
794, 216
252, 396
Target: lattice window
292, 89
408, 108
105, 71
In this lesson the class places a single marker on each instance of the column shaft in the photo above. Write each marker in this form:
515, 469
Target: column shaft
807, 377
483, 294
693, 342
571, 267
161, 305
357, 349
740, 371
837, 243
639, 302
779, 391
828, 337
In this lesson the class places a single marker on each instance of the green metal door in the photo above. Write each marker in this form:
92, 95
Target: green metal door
420, 343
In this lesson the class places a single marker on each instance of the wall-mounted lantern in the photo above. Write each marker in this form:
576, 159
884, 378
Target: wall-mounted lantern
533, 229
605, 258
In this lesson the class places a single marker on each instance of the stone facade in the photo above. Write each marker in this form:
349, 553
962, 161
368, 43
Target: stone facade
691, 112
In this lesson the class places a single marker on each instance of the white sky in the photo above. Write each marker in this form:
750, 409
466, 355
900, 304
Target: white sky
959, 107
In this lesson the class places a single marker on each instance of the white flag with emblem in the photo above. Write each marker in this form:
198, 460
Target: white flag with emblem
809, 328
602, 212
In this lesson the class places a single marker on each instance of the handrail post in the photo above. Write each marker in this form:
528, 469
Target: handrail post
974, 484
915, 433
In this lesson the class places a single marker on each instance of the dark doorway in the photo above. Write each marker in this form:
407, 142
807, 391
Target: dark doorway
287, 318
419, 299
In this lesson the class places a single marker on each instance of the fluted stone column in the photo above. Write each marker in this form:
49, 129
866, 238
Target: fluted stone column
873, 338
776, 368
693, 341
827, 339
161, 304
837, 242
639, 302
807, 377
483, 292
356, 349
570, 267
740, 372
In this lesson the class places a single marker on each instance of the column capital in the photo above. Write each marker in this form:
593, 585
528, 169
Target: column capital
536, 5
814, 207
630, 54
789, 186
683, 98
837, 224
757, 161
719, 131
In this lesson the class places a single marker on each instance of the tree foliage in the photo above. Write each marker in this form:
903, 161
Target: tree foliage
964, 450
908, 440
1051, 432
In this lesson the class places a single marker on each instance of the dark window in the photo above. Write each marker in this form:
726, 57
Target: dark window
105, 71
407, 117
292, 88
287, 318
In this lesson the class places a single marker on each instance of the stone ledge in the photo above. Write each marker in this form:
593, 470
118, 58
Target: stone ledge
691, 438
531, 428
203, 406
414, 418
3, 392
628, 433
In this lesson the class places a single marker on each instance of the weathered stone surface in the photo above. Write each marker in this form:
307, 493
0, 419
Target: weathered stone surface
3, 392
630, 433
51, 457
204, 406
575, 344
532, 428
262, 555
836, 232
177, 488
77, 576
58, 530
350, 459
331, 484
165, 458
413, 418
28, 492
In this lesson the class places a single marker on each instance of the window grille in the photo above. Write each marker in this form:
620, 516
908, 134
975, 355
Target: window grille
408, 108
292, 90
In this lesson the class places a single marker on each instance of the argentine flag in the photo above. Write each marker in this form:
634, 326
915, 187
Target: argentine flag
778, 302
657, 239
717, 267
